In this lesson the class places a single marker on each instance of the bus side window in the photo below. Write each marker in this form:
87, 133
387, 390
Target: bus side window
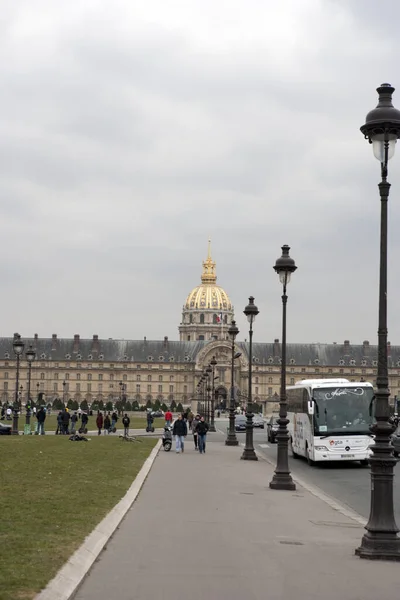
306, 398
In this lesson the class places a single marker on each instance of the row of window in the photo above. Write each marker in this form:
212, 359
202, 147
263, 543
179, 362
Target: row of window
79, 388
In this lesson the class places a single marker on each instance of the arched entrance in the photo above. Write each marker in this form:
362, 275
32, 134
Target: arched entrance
221, 396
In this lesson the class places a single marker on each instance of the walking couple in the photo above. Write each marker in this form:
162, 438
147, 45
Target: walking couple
199, 429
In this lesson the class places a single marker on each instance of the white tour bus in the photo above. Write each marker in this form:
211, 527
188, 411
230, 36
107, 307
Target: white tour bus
329, 419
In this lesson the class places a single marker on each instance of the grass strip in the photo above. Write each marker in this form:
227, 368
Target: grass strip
53, 493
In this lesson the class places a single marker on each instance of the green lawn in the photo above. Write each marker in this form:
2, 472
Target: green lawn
53, 493
137, 422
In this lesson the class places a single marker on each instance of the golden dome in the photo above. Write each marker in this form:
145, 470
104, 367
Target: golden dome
208, 295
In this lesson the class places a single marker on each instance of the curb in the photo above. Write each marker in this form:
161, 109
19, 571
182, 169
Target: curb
68, 579
321, 495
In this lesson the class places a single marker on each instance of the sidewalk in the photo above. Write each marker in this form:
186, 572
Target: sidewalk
208, 527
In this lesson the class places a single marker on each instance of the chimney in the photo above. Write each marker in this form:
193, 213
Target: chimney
145, 338
366, 347
277, 348
76, 343
54, 341
36, 337
389, 349
95, 344
166, 341
346, 349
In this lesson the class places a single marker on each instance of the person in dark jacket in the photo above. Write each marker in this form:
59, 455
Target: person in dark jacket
99, 422
66, 417
74, 420
114, 419
41, 417
180, 432
202, 428
195, 422
107, 423
126, 422
59, 429
85, 420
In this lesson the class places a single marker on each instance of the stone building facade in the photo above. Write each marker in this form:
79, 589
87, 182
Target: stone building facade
89, 369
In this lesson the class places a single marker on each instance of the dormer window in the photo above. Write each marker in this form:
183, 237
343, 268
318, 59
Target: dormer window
68, 356
101, 357
341, 362
90, 357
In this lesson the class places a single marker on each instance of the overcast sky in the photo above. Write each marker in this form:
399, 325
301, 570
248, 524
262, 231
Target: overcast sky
132, 130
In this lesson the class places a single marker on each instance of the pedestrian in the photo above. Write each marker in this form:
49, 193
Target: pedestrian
41, 417
190, 419
150, 420
202, 429
126, 422
8, 412
85, 420
107, 424
66, 418
168, 418
3, 412
74, 419
195, 422
99, 422
114, 419
180, 432
59, 429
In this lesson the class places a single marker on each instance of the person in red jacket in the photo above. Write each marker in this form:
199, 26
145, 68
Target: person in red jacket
168, 418
99, 422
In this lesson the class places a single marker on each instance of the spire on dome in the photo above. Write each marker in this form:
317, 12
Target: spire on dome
209, 274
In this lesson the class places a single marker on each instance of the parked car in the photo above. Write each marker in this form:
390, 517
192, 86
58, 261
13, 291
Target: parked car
5, 429
272, 429
258, 422
396, 442
240, 423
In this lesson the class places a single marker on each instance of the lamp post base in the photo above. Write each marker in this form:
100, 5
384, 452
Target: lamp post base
231, 440
14, 430
282, 482
249, 454
212, 428
382, 546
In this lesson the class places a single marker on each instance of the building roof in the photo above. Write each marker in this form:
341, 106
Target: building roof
95, 349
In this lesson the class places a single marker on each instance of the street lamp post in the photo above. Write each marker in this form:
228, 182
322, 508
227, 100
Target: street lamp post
282, 479
64, 386
251, 311
120, 394
30, 355
231, 439
18, 347
209, 376
381, 542
213, 363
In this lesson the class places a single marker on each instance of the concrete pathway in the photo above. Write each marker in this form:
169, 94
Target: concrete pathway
208, 526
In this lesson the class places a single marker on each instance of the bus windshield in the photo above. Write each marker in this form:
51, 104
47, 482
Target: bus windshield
343, 411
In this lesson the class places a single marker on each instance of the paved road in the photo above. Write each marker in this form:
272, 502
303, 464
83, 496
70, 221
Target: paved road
208, 527
349, 483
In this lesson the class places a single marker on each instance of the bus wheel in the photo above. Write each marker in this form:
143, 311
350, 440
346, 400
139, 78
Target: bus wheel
364, 463
309, 459
294, 455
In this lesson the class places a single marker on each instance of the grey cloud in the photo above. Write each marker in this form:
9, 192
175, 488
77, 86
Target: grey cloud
127, 144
